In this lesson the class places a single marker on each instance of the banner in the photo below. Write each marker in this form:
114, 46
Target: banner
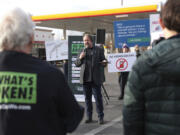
56, 50
121, 62
76, 45
132, 32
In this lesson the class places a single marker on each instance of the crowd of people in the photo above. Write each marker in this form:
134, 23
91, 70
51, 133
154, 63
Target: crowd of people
32, 103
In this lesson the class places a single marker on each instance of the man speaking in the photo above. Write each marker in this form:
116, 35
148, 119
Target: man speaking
91, 60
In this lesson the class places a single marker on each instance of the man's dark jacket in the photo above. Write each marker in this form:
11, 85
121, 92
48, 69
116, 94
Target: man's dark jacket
152, 96
35, 98
97, 68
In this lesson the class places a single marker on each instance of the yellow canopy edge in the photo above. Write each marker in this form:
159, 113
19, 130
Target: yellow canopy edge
106, 12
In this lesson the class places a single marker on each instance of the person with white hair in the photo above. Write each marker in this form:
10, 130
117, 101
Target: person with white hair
34, 96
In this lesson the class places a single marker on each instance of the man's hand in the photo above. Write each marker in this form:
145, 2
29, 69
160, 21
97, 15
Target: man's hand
82, 55
104, 62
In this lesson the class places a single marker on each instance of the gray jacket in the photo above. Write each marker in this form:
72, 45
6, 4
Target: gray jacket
152, 96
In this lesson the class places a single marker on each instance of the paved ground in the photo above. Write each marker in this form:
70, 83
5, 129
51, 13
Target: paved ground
112, 110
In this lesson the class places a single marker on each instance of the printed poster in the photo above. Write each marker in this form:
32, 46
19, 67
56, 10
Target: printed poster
132, 32
121, 62
56, 50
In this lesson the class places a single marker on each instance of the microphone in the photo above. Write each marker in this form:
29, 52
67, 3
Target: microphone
85, 50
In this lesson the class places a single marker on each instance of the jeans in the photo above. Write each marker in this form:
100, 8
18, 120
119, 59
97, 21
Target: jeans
89, 89
122, 82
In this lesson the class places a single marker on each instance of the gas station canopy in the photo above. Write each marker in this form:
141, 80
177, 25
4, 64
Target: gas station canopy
90, 21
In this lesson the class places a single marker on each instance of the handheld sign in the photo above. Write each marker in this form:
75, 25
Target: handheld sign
121, 62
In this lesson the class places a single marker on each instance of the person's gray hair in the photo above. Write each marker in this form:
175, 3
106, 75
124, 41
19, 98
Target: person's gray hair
16, 29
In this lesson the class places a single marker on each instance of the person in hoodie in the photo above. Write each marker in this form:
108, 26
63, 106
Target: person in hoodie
34, 97
151, 102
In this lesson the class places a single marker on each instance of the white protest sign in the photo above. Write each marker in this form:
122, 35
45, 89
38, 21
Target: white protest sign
56, 50
154, 23
121, 62
155, 27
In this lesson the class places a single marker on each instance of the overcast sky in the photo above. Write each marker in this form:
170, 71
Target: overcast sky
44, 7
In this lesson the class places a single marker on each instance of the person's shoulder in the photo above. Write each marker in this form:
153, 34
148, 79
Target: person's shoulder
43, 66
157, 52
144, 62
164, 47
150, 58
40, 62
98, 48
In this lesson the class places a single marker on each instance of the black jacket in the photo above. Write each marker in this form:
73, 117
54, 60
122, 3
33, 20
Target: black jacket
35, 98
97, 67
152, 96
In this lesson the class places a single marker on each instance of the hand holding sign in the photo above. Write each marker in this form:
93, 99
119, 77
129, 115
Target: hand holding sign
104, 62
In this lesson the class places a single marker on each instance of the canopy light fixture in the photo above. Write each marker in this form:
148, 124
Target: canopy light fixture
120, 16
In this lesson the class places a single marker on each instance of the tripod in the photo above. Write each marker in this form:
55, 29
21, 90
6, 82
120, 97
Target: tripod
105, 94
